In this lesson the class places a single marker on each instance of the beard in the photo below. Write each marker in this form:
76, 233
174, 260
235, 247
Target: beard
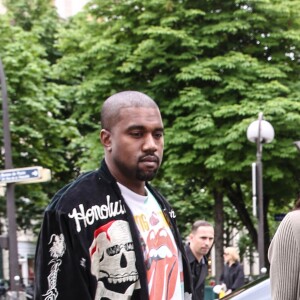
136, 172
145, 176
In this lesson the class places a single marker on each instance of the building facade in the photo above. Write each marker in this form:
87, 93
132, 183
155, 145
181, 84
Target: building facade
68, 8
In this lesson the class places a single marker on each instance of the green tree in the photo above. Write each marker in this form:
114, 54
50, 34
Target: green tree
39, 17
39, 132
211, 66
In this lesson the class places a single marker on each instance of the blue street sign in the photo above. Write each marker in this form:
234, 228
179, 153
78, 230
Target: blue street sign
20, 175
279, 217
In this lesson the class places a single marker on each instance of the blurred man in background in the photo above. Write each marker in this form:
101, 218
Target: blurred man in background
200, 243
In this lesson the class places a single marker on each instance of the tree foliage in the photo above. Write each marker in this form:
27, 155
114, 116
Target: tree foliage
39, 132
210, 65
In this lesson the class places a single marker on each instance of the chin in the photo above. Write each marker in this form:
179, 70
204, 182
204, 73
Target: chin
146, 176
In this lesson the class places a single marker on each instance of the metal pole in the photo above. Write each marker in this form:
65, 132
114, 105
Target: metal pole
10, 191
261, 224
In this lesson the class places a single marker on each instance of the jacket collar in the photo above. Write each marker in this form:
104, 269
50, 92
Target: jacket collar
104, 172
191, 257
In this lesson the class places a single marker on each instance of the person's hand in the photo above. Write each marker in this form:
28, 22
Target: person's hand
228, 292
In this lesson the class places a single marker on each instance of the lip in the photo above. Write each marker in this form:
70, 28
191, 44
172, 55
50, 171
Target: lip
149, 162
150, 159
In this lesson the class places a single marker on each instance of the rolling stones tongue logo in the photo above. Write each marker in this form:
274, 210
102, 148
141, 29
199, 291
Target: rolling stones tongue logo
162, 265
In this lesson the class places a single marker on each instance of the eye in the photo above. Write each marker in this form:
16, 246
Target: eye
158, 135
136, 134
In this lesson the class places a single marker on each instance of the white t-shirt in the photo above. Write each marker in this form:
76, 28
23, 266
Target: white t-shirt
163, 260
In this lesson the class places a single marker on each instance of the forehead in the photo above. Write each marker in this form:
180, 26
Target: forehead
140, 116
205, 231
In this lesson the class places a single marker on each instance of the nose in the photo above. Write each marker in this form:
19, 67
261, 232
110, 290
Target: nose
150, 143
206, 241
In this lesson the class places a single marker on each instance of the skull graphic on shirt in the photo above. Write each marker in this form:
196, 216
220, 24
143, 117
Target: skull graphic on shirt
113, 260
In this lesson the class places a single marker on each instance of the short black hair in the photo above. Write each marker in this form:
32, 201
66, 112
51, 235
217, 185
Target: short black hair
112, 106
200, 223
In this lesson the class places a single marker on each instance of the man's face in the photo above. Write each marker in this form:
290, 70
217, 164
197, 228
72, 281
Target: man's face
201, 241
134, 146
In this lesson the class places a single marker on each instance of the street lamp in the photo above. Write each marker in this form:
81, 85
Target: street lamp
259, 132
297, 144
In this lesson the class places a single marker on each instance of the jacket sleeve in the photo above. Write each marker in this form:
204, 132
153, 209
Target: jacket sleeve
239, 278
284, 254
61, 273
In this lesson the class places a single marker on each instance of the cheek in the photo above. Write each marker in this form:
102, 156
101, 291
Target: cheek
125, 151
120, 146
161, 147
200, 243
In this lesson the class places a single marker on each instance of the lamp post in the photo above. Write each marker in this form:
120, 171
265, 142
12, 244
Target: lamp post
10, 192
259, 132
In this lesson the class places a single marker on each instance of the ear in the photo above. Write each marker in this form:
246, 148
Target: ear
105, 138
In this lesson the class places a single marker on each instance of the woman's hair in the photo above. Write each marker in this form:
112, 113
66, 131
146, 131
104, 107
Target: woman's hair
233, 253
297, 204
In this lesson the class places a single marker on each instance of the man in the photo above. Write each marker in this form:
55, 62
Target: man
110, 234
200, 243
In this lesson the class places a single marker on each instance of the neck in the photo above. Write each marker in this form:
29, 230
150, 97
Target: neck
230, 263
136, 186
199, 258
138, 189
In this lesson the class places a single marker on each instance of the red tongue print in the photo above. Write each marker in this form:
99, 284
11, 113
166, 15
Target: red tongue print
162, 265
154, 219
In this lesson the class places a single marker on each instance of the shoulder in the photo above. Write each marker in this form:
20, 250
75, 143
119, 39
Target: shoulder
189, 253
187, 247
237, 266
240, 267
291, 222
288, 233
77, 190
294, 216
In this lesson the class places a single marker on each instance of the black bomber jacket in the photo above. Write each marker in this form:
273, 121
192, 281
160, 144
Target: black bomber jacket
78, 254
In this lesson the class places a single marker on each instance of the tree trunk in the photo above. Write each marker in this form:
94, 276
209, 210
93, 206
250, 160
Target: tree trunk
236, 197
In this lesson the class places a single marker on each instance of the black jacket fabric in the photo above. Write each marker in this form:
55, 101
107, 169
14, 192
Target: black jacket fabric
199, 281
233, 276
76, 236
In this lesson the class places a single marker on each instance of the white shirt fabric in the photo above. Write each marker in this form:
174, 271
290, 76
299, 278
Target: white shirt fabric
162, 258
